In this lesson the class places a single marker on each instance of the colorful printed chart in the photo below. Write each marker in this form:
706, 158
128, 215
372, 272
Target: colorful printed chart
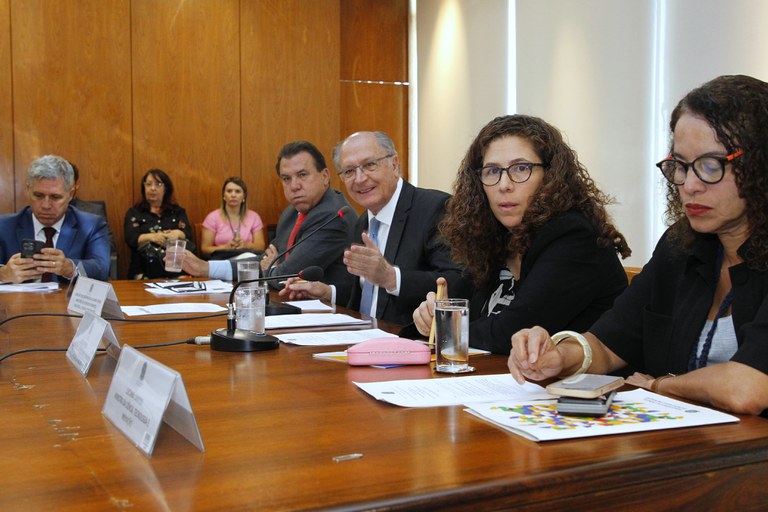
631, 411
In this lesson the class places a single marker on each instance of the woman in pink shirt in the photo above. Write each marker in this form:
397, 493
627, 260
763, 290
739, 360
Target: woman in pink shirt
233, 227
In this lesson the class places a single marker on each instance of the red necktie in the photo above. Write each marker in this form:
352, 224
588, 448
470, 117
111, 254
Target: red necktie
49, 232
292, 237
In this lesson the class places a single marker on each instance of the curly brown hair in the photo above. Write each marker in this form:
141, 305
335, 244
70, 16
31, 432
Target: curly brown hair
474, 233
736, 107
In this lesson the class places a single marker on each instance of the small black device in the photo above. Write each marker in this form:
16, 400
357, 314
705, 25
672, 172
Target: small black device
571, 406
30, 247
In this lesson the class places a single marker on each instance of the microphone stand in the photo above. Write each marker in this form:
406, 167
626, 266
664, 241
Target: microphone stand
232, 339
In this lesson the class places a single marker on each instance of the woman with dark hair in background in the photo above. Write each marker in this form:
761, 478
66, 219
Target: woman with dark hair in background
695, 320
151, 222
530, 227
232, 227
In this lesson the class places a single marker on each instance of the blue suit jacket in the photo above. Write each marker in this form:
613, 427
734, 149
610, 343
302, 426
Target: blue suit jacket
84, 238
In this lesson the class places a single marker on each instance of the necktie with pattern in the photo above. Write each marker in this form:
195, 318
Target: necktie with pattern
366, 301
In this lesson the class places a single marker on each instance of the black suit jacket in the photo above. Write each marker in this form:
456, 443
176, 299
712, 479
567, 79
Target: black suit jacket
414, 246
655, 324
325, 249
566, 282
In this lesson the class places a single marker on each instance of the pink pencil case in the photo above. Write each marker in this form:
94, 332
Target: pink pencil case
388, 351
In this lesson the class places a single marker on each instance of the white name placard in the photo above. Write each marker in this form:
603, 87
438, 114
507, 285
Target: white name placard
79, 272
87, 339
142, 395
94, 296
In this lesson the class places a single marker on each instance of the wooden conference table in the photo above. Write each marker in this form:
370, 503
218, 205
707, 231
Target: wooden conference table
273, 421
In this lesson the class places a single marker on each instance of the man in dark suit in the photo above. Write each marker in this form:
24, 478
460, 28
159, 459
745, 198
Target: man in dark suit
306, 184
413, 257
398, 262
70, 236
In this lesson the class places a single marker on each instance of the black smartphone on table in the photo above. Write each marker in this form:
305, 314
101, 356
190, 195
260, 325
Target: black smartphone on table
572, 406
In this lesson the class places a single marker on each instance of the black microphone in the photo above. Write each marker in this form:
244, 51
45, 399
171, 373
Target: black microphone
341, 213
232, 339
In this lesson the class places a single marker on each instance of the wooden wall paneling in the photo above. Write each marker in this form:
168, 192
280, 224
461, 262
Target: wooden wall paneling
186, 97
374, 48
71, 94
203, 90
377, 107
7, 196
374, 40
290, 84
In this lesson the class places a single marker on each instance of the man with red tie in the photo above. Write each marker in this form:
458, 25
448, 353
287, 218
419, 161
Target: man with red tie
69, 236
306, 184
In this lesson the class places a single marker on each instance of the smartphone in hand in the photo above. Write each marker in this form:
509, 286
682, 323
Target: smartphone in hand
31, 247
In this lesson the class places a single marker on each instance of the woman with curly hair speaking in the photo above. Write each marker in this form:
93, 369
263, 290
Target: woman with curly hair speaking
695, 320
530, 227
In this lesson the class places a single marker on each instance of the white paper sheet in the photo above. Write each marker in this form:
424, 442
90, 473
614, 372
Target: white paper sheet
453, 390
29, 287
310, 305
327, 338
311, 320
169, 309
171, 288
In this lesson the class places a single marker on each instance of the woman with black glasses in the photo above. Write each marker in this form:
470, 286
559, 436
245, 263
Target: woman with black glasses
530, 227
151, 222
695, 320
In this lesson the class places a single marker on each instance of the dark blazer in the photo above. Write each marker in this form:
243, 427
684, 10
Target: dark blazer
655, 324
413, 245
566, 283
83, 239
324, 249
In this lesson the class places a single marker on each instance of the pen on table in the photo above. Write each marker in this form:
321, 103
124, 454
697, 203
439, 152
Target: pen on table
439, 295
349, 456
295, 281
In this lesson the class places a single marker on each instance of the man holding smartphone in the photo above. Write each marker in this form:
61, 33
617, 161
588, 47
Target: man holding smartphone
68, 235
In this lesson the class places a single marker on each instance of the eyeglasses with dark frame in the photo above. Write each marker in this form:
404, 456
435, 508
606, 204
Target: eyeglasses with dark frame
709, 169
518, 172
365, 168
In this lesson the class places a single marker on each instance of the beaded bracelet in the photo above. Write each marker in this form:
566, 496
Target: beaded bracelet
562, 335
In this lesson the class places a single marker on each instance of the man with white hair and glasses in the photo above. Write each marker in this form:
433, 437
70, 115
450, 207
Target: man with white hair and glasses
396, 252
